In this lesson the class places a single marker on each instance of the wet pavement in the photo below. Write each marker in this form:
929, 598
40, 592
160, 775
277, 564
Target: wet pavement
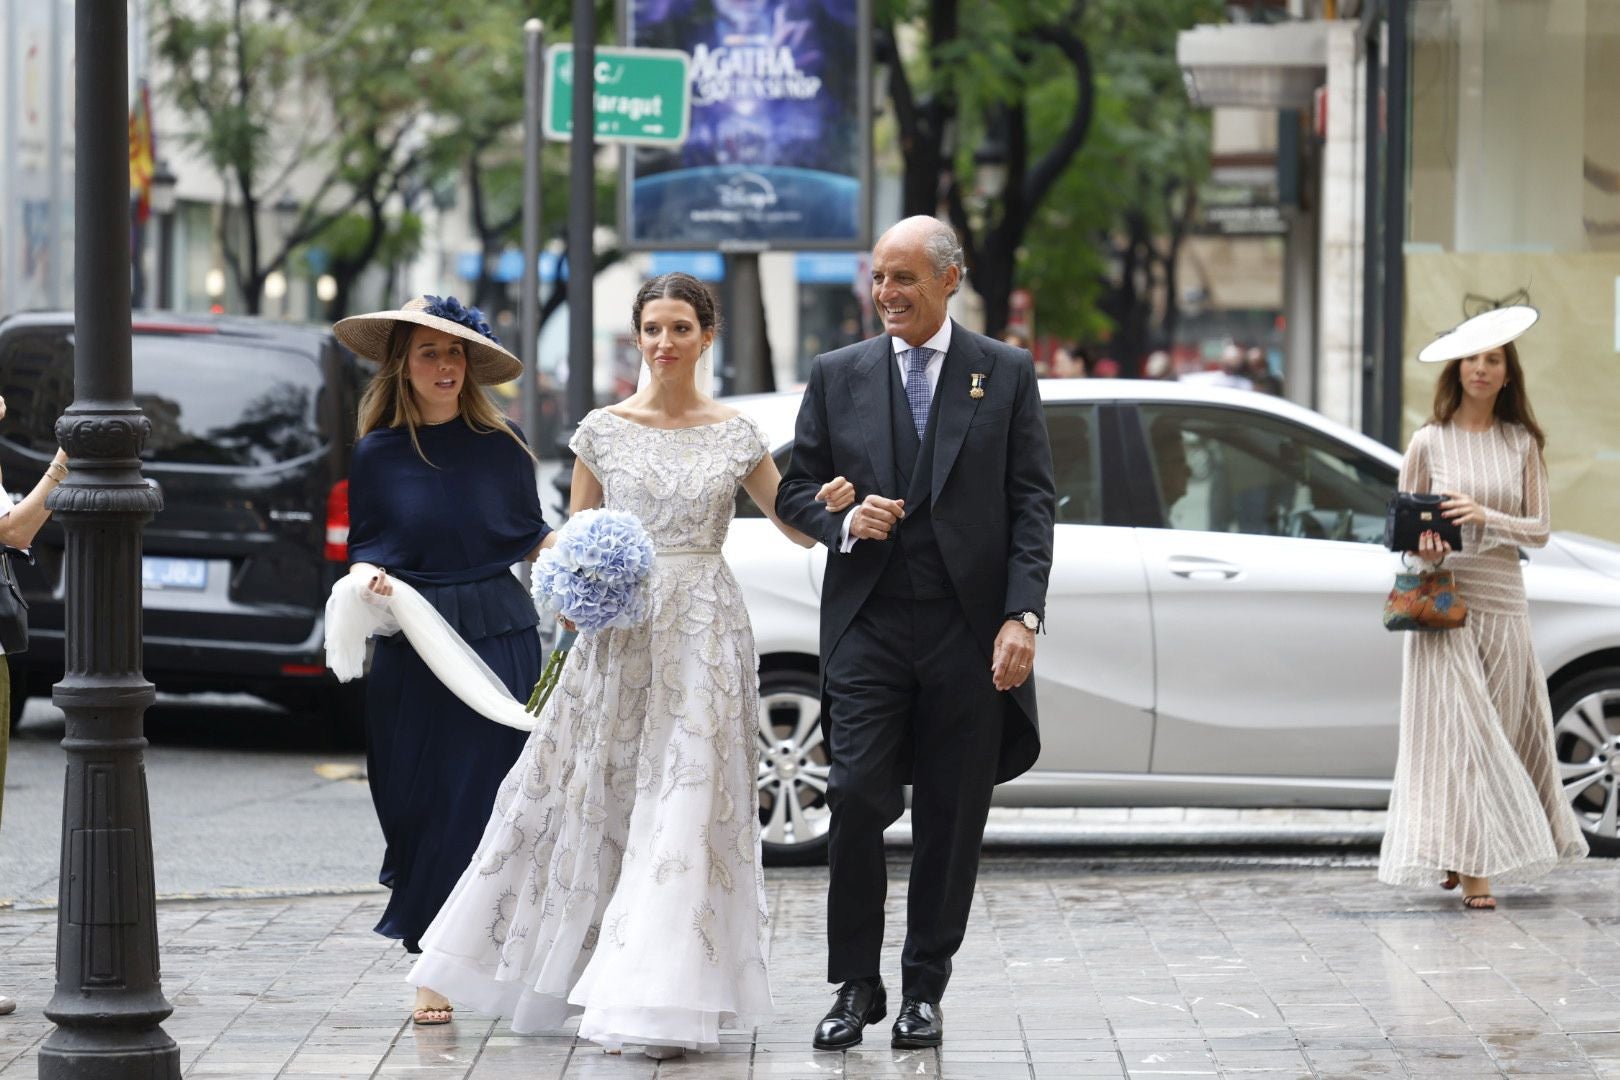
1078, 964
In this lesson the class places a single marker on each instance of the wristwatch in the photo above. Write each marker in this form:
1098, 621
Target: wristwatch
1030, 620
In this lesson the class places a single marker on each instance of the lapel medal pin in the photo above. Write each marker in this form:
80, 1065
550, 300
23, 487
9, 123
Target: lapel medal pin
976, 391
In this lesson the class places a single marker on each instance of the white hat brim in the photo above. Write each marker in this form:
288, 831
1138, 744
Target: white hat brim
1486, 331
367, 335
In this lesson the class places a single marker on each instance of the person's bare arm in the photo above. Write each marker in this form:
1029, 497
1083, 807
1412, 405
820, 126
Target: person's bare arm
585, 493
762, 484
549, 541
22, 524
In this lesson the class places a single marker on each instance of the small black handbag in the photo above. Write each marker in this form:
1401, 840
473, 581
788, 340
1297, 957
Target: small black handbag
1410, 515
13, 609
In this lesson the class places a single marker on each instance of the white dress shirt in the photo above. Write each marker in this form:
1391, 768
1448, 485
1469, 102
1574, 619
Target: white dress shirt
941, 344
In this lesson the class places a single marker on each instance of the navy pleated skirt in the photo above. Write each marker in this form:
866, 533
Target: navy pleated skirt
435, 765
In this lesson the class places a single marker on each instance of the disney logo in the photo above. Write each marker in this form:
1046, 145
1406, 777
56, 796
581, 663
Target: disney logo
747, 191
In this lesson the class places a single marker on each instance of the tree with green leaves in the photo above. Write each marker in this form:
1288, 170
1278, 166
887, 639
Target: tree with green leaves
383, 103
319, 86
1031, 92
968, 92
1145, 168
484, 144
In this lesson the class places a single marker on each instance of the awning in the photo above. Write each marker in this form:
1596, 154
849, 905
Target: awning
1253, 65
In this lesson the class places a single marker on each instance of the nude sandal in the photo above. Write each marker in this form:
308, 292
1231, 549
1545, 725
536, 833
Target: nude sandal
421, 1017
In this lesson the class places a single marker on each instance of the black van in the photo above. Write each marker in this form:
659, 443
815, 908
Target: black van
252, 427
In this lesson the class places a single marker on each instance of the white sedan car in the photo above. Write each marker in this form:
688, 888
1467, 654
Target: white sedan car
1213, 619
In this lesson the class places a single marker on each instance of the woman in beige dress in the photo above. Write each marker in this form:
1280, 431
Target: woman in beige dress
1476, 796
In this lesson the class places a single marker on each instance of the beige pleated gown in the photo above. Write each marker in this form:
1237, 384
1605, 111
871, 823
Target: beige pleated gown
1476, 785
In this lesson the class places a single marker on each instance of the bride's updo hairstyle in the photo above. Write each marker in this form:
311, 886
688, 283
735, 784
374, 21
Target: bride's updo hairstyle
678, 286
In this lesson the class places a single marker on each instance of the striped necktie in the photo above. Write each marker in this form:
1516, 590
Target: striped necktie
918, 394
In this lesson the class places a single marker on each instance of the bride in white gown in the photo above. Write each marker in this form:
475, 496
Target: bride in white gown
619, 875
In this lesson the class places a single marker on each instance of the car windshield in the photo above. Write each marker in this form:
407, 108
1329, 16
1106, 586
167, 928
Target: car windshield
211, 399
214, 401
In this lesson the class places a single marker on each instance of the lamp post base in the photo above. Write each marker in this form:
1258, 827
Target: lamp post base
111, 1055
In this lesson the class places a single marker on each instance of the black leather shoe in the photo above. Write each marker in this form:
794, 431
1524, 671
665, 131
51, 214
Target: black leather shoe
920, 1024
859, 1003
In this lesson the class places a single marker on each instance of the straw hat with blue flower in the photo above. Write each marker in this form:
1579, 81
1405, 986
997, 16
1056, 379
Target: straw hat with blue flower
488, 361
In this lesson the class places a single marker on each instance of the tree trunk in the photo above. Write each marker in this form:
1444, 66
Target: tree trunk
1122, 303
486, 290
1180, 225
1172, 285
922, 118
993, 280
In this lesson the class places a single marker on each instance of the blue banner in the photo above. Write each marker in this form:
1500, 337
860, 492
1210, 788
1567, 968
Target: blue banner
777, 154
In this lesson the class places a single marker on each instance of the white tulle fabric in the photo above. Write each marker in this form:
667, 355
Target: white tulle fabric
354, 613
620, 876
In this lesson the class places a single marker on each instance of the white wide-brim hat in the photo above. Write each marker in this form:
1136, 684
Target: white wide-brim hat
488, 360
1484, 332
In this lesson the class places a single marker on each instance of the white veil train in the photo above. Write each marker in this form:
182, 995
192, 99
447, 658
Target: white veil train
353, 615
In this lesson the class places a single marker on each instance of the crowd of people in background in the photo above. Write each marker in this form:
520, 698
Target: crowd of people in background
1239, 367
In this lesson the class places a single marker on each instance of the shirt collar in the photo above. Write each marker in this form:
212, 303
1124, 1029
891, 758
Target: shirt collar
940, 342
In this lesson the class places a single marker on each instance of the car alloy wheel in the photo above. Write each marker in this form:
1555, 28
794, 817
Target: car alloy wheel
1586, 737
793, 768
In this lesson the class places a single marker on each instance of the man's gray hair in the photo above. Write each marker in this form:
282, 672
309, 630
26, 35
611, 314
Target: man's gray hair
944, 251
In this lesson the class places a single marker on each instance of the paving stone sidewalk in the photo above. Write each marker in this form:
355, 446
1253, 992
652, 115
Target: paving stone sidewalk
1073, 968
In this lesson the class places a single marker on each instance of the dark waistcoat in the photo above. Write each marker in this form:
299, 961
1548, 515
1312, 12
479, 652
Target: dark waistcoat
915, 569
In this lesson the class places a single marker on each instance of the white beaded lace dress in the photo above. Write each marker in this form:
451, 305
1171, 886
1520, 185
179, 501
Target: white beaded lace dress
619, 875
1476, 785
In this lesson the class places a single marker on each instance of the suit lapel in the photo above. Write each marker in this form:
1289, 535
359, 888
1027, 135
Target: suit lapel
953, 405
869, 390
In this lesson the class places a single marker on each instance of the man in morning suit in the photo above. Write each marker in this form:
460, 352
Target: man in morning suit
935, 587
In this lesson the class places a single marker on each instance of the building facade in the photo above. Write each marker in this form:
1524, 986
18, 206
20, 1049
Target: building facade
1514, 189
1462, 153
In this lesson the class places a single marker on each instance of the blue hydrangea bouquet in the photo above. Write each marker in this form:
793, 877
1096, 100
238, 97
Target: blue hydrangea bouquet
596, 578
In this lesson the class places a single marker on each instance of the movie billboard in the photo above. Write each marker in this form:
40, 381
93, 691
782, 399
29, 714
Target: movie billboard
778, 153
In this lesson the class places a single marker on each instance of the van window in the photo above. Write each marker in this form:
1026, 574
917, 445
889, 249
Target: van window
211, 399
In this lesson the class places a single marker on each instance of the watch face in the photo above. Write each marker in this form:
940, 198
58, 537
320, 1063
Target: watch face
1031, 621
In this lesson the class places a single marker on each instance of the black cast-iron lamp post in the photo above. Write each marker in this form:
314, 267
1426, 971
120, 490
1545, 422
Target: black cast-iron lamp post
164, 184
108, 1007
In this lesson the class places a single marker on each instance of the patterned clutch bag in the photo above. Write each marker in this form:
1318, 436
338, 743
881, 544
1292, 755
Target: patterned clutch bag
1424, 600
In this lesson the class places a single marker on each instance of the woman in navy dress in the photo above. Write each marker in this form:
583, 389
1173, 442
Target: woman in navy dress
442, 495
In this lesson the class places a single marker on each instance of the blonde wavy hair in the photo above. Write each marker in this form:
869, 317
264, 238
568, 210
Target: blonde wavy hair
388, 400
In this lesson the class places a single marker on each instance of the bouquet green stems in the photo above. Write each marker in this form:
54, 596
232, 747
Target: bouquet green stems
596, 578
552, 673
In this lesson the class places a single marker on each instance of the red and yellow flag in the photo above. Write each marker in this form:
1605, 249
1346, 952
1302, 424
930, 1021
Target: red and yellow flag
141, 161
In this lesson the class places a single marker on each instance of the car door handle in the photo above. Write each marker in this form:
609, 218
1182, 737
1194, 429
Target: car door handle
1198, 568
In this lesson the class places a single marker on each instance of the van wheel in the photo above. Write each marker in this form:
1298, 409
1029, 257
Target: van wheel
793, 768
1586, 743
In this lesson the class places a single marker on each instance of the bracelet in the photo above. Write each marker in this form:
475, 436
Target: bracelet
51, 470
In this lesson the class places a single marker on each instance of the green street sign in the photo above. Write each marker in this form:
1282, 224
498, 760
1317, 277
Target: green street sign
642, 95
